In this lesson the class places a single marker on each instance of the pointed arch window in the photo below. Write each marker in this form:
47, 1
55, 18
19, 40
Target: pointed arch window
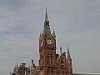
49, 59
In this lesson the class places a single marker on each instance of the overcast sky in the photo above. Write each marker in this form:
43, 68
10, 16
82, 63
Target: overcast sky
76, 23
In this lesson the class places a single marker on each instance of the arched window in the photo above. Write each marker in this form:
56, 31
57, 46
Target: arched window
51, 59
48, 59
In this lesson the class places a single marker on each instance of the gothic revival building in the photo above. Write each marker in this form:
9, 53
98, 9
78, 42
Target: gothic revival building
50, 63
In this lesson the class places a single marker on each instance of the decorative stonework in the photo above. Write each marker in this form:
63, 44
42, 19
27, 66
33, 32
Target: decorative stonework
50, 63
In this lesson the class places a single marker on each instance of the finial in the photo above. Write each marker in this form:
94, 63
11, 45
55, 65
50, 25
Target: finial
60, 50
68, 54
40, 33
53, 32
32, 62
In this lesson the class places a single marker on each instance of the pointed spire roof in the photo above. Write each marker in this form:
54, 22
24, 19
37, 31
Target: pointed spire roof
46, 16
68, 54
53, 32
46, 22
47, 30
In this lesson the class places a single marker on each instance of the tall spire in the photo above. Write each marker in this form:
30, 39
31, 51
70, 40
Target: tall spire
46, 16
68, 54
47, 30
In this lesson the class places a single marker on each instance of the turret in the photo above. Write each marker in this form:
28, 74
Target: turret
68, 55
60, 50
70, 62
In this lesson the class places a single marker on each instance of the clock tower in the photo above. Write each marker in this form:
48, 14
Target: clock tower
50, 62
47, 49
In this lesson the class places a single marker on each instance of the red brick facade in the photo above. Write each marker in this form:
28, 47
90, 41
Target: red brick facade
50, 63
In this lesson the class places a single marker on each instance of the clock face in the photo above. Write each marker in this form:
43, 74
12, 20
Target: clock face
49, 42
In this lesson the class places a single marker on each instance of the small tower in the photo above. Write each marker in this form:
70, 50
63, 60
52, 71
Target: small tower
60, 50
68, 55
32, 68
70, 62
